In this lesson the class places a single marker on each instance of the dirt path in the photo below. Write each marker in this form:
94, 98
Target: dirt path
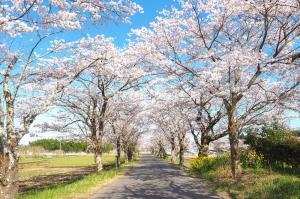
155, 179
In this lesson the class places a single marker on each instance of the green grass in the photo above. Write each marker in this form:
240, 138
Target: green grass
275, 186
168, 160
58, 161
76, 187
31, 166
259, 183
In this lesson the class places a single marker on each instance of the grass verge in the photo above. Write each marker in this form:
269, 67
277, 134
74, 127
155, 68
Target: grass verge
76, 188
263, 183
33, 166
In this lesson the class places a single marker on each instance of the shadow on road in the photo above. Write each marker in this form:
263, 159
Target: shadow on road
155, 179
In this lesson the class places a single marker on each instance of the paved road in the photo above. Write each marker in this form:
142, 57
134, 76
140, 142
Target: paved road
155, 179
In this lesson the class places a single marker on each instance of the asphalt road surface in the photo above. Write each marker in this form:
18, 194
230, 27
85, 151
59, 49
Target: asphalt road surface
155, 179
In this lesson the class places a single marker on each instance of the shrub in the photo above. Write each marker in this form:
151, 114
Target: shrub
252, 159
206, 163
202, 164
277, 145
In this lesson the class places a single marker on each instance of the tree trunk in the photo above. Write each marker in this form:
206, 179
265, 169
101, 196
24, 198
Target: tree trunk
118, 162
181, 140
203, 150
97, 141
126, 156
204, 146
97, 136
98, 161
130, 154
9, 151
9, 175
181, 154
173, 155
236, 168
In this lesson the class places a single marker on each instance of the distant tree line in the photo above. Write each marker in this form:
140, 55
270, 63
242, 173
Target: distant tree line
67, 145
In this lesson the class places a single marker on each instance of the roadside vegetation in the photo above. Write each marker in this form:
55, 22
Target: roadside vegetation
270, 171
39, 165
257, 182
82, 186
58, 176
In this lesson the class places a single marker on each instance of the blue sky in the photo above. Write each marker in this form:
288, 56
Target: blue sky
120, 34
120, 31
151, 9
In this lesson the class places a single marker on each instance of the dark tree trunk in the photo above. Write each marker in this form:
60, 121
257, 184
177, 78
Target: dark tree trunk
173, 155
130, 154
126, 155
161, 150
181, 155
203, 150
204, 147
181, 140
173, 148
118, 162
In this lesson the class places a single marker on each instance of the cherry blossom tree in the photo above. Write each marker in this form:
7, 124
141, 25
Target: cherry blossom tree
245, 52
168, 134
28, 86
171, 121
208, 121
126, 121
175, 126
158, 145
107, 73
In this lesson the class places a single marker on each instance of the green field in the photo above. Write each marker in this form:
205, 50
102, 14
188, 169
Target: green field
32, 166
49, 176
